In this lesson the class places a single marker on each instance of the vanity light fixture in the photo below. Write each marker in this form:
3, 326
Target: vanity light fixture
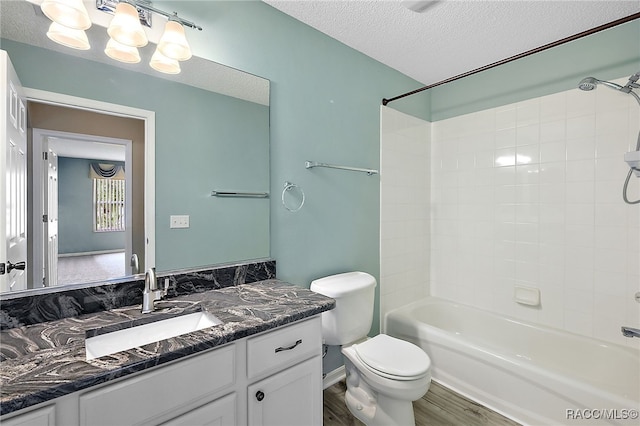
122, 52
126, 32
70, 19
70, 13
75, 39
161, 63
173, 43
125, 27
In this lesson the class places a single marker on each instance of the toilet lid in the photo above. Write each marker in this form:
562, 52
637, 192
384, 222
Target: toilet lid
394, 357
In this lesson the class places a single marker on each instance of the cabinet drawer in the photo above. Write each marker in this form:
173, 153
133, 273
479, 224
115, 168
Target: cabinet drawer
285, 346
44, 416
160, 391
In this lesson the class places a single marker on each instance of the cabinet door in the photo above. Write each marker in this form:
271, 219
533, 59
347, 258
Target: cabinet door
41, 417
292, 397
221, 412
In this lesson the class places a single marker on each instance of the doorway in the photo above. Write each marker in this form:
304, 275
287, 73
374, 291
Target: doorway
53, 129
85, 212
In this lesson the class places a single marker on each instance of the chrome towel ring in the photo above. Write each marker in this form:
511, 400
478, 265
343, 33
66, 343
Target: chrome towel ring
295, 196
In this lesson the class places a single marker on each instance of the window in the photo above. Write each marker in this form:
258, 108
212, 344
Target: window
108, 204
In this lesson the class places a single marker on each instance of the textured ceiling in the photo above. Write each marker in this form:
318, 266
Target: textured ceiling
450, 37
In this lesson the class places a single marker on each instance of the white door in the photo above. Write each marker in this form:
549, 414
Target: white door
50, 218
13, 180
52, 145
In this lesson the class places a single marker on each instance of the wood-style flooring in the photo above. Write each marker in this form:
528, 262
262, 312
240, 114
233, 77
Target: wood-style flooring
439, 407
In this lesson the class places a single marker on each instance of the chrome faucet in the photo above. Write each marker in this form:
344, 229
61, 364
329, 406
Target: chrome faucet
630, 332
151, 293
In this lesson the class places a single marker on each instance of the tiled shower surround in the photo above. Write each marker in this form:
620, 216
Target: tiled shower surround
527, 194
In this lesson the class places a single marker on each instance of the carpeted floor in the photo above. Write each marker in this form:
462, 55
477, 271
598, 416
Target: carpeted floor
90, 268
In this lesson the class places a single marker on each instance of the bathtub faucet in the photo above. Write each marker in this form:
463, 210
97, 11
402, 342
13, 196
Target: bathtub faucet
630, 332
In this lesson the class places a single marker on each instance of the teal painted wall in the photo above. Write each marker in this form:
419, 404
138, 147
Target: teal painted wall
204, 141
609, 54
75, 210
325, 106
325, 100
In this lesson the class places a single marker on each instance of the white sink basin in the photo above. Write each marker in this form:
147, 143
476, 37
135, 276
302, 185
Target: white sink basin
128, 338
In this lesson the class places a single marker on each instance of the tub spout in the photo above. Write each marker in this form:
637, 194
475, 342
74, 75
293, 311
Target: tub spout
630, 332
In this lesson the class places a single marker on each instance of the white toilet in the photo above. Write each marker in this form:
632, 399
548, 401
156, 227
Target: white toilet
384, 374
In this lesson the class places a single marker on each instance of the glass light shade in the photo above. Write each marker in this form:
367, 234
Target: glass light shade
121, 52
76, 39
125, 27
161, 63
70, 13
173, 43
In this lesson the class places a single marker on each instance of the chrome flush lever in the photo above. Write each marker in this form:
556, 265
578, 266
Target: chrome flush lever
630, 332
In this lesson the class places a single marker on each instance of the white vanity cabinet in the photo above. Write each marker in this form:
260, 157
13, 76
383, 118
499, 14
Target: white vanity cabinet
45, 416
220, 412
220, 386
290, 398
151, 396
285, 371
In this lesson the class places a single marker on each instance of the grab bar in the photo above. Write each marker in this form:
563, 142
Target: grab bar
312, 164
239, 194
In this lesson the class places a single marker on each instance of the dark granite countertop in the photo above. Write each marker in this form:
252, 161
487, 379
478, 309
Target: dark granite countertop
44, 361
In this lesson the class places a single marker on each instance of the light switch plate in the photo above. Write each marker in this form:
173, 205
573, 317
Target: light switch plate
179, 221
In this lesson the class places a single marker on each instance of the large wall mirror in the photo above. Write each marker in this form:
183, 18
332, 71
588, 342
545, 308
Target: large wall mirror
205, 130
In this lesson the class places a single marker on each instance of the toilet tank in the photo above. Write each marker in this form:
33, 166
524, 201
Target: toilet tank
350, 320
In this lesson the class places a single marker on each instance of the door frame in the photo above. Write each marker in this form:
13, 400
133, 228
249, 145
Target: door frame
149, 118
37, 235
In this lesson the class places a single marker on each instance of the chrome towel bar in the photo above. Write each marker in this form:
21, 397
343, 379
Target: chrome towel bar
312, 164
239, 194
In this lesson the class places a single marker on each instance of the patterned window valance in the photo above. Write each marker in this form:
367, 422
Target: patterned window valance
106, 171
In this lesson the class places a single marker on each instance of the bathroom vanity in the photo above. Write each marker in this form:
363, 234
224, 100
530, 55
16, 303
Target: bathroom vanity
261, 365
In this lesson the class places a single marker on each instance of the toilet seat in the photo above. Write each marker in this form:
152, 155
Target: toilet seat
393, 358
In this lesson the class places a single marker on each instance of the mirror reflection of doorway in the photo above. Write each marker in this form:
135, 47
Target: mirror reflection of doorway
85, 188
66, 247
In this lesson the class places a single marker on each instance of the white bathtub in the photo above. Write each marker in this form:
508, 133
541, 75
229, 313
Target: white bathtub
532, 374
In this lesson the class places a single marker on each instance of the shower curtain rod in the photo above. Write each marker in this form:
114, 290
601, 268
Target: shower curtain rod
519, 56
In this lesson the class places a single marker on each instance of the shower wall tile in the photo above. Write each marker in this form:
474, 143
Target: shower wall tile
405, 159
530, 194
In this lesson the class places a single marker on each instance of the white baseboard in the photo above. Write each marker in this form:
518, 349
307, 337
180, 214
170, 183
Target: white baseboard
90, 253
334, 377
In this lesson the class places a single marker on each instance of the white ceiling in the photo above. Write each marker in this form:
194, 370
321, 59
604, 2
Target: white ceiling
451, 37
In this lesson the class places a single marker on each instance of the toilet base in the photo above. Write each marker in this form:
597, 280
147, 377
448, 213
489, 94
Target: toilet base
375, 408
383, 412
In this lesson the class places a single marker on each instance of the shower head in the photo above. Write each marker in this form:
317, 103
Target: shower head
590, 83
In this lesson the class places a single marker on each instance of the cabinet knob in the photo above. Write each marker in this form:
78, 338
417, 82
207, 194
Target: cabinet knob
259, 395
